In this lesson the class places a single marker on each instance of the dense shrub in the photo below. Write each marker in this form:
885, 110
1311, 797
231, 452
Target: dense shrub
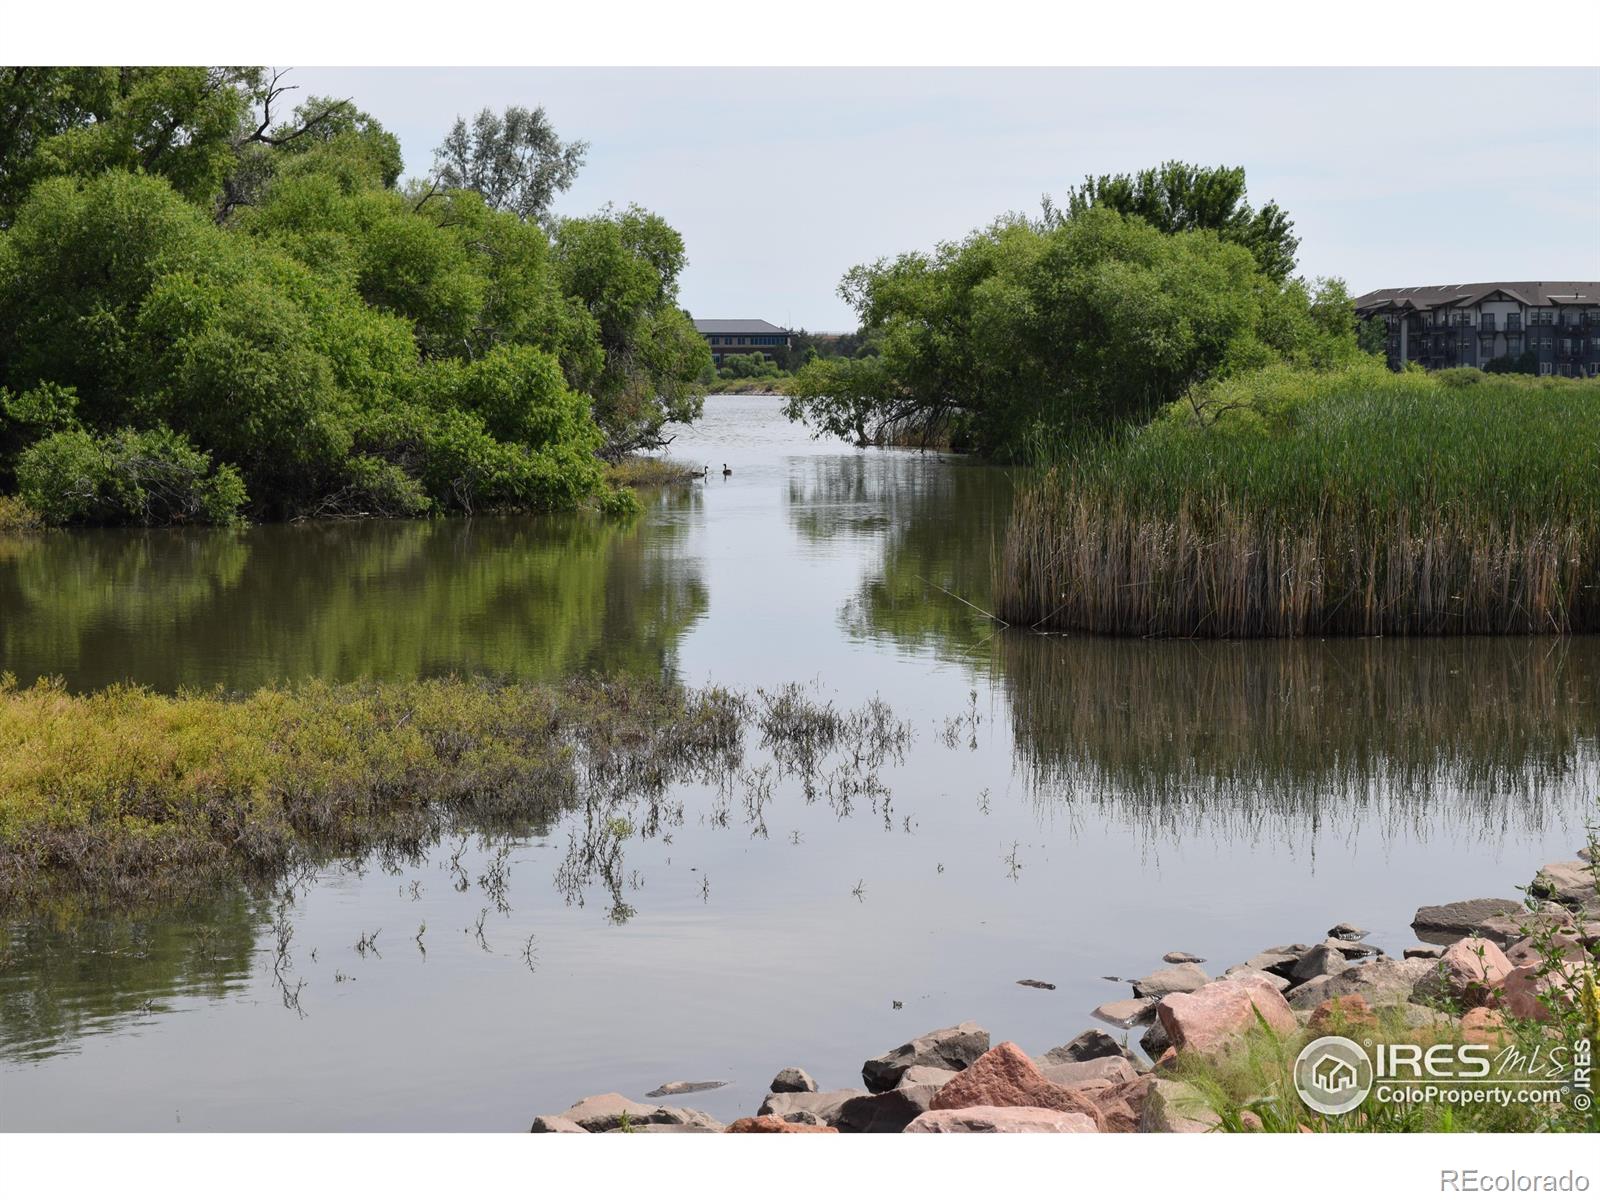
1030, 333
137, 477
278, 304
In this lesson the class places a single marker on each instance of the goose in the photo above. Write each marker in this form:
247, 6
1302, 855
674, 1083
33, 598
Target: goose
726, 470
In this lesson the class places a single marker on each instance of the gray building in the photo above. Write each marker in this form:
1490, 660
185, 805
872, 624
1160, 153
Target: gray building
1551, 327
742, 337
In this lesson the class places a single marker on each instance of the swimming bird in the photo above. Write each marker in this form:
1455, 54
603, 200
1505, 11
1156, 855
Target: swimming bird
726, 470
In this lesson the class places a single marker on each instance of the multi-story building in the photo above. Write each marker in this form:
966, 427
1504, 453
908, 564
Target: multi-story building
1548, 327
742, 337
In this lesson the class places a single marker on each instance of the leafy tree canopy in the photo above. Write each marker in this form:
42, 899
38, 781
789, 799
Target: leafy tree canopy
1178, 197
513, 160
205, 298
1028, 332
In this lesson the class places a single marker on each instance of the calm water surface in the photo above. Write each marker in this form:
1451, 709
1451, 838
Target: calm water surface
1068, 808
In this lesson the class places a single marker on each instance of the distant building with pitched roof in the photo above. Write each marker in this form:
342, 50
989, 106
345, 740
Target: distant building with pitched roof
742, 337
1471, 324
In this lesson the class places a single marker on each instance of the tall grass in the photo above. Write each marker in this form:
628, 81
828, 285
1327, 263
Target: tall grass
1288, 504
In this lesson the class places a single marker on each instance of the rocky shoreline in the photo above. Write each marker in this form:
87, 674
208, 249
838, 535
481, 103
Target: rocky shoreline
1476, 963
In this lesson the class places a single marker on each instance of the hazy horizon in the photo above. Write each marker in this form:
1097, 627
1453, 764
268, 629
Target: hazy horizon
780, 180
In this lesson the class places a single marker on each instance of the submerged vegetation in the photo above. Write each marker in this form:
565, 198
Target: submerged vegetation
1285, 503
127, 793
212, 308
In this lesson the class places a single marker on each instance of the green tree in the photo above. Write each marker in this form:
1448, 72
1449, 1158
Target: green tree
1028, 332
621, 268
513, 160
1372, 336
1178, 197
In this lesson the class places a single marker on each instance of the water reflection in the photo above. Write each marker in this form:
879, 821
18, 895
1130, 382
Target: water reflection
526, 597
66, 976
1281, 739
937, 517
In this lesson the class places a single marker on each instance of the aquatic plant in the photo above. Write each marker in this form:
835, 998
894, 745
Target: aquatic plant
126, 791
1289, 503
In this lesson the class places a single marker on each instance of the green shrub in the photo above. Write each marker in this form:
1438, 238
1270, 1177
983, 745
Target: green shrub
140, 477
15, 514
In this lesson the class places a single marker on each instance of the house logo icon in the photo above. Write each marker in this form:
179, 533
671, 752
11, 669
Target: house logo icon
1333, 1075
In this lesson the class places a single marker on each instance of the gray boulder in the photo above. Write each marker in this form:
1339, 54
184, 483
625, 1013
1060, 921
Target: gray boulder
1279, 960
1093, 1074
1127, 1013
1448, 923
1184, 977
1319, 960
1174, 1107
685, 1087
1155, 1040
1181, 956
603, 1113
893, 1110
1344, 931
953, 1049
1384, 981
556, 1125
793, 1079
1353, 949
1242, 972
1569, 884
1088, 1045
824, 1106
1423, 951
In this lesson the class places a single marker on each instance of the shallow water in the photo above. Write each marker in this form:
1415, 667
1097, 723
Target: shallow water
1068, 808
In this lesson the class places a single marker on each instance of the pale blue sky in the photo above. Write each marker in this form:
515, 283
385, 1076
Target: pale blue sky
782, 179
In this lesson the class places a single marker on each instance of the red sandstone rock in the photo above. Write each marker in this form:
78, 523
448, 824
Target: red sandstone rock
1466, 971
774, 1125
982, 1119
1005, 1077
1483, 1027
1211, 1020
1340, 1014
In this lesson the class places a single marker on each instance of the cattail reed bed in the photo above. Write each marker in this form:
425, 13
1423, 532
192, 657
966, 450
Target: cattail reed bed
1287, 504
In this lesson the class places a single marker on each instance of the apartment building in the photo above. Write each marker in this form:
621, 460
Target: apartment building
1546, 327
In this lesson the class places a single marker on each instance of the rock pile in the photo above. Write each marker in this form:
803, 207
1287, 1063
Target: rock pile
1484, 958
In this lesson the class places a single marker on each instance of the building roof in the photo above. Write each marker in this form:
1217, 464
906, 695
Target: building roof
740, 326
1538, 293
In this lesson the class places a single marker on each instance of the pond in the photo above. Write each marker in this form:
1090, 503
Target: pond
1064, 809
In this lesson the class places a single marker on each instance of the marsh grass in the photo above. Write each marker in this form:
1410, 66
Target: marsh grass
126, 791
641, 471
1290, 504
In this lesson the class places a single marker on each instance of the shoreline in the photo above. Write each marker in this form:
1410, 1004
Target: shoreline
1486, 977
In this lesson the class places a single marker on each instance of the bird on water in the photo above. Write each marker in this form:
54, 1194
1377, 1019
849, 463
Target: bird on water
726, 470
